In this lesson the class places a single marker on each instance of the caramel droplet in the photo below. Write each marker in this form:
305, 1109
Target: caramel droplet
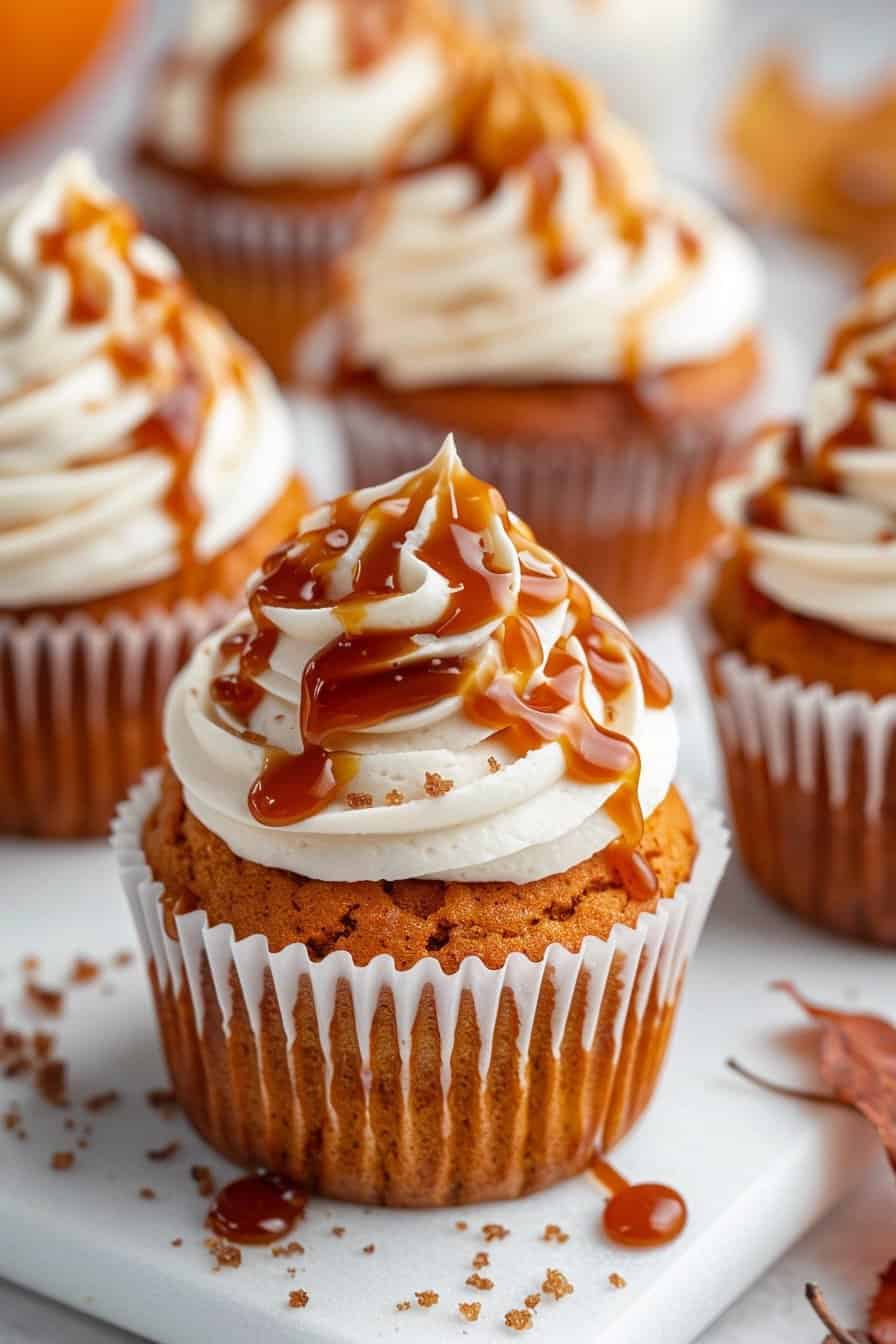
256, 1210
645, 1216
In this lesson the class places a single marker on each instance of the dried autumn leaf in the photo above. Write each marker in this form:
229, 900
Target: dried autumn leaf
882, 1316
858, 1063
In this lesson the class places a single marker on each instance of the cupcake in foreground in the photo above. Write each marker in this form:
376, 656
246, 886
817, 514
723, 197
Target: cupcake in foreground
144, 471
800, 639
588, 335
264, 125
416, 888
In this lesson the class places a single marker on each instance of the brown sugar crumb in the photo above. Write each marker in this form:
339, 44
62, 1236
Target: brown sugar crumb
554, 1233
394, 798
519, 1319
556, 1285
83, 971
495, 1232
205, 1181
225, 1255
147, 1192
102, 1101
292, 1248
123, 958
30, 965
48, 1001
163, 1154
402, 1306
291, 1271
337, 1231
62, 1161
11, 1119
357, 800
162, 1099
298, 1298
461, 1226
17, 1068
427, 1298
435, 786
480, 1260
479, 1283
50, 1081
82, 1143
469, 1310
369, 1250
178, 1241
42, 1043
617, 1281
532, 1301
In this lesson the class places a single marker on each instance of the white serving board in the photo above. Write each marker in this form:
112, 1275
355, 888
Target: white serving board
756, 1170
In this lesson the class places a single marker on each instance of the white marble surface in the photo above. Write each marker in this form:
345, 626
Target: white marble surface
853, 1243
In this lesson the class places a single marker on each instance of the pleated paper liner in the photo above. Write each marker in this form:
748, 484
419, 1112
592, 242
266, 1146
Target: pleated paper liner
414, 1087
81, 711
812, 783
268, 267
630, 516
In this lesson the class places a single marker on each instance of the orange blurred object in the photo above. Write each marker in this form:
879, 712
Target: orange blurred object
825, 165
44, 46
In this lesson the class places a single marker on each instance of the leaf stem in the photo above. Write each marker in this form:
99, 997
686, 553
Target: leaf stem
815, 1298
781, 1089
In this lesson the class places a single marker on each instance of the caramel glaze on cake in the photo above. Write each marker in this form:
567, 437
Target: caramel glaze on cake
414, 918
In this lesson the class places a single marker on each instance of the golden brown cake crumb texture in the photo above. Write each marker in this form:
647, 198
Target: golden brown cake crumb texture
750, 623
409, 919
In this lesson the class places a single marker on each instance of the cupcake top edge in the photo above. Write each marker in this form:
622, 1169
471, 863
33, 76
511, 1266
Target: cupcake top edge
542, 246
310, 91
417, 689
138, 434
816, 516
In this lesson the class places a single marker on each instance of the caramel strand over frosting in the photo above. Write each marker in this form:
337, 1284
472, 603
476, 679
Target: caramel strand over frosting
818, 513
132, 419
540, 246
415, 648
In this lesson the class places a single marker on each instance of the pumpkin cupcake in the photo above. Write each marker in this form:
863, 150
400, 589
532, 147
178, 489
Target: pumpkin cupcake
799, 638
416, 888
588, 334
264, 126
144, 470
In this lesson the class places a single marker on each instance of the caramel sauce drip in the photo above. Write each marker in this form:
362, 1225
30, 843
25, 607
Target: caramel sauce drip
642, 1217
256, 1210
363, 679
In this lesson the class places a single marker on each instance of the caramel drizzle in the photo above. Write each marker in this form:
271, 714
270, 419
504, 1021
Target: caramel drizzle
767, 508
362, 679
175, 427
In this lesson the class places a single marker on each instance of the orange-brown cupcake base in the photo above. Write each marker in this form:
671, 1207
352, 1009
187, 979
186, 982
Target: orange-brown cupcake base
615, 478
413, 1087
82, 689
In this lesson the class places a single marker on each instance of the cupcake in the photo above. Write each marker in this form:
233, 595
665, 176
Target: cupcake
416, 888
144, 471
799, 637
264, 126
588, 334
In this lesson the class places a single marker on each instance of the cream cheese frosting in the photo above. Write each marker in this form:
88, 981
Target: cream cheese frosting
487, 715
134, 425
570, 261
313, 90
818, 511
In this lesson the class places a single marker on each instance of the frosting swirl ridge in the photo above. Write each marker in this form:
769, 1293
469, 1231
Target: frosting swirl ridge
419, 690
133, 422
819, 509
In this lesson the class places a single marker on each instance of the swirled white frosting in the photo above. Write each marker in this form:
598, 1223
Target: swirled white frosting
834, 555
306, 113
452, 286
82, 510
526, 820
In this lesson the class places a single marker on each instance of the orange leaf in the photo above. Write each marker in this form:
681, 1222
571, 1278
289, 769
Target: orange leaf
882, 1318
858, 1063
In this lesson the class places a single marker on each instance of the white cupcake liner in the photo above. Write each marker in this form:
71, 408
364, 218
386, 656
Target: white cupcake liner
81, 709
647, 962
793, 747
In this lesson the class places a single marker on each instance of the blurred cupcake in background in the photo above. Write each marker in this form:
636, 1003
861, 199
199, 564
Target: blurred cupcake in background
264, 126
798, 633
145, 468
587, 332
